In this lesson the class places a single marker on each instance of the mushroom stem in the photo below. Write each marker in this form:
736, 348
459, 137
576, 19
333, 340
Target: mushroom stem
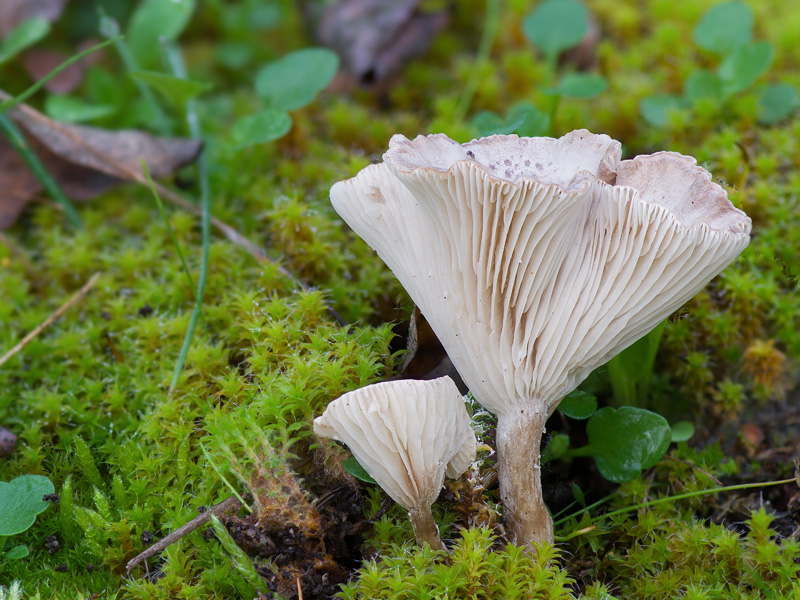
425, 529
519, 435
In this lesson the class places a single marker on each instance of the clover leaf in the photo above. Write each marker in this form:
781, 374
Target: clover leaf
625, 441
724, 27
262, 127
20, 502
556, 25
578, 405
294, 80
744, 65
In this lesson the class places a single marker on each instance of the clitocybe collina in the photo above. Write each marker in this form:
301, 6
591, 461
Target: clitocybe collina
407, 435
535, 260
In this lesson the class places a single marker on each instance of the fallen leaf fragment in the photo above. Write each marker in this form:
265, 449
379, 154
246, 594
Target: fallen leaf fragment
8, 442
375, 38
85, 161
14, 12
39, 63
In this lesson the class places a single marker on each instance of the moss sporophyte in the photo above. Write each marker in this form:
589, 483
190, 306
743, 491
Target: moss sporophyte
536, 260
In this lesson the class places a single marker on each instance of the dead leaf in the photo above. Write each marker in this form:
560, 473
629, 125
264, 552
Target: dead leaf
426, 357
85, 161
8, 442
14, 12
39, 63
752, 436
376, 38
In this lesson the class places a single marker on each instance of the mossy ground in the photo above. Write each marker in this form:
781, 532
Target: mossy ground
88, 398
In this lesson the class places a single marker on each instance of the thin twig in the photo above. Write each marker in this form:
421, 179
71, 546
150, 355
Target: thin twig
49, 320
200, 520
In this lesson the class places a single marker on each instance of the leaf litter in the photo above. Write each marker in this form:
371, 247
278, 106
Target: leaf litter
85, 161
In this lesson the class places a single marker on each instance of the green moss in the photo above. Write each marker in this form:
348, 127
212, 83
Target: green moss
477, 568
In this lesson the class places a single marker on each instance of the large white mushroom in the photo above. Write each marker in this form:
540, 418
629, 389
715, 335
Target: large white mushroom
407, 435
535, 260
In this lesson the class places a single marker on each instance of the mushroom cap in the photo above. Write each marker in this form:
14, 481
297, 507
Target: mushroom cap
537, 259
406, 434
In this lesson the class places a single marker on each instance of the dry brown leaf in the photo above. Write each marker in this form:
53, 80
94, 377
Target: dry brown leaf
426, 357
14, 12
39, 63
375, 38
85, 161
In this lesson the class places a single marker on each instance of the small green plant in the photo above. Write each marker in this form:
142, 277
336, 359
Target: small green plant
21, 500
553, 27
629, 372
286, 84
24, 35
726, 31
625, 441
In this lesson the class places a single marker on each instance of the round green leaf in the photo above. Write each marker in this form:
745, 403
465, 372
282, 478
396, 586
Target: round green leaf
68, 109
177, 90
556, 25
701, 85
656, 109
578, 405
744, 65
17, 552
153, 20
724, 27
626, 440
580, 85
352, 466
777, 101
536, 123
557, 447
578, 494
682, 431
24, 35
20, 502
488, 123
262, 127
295, 80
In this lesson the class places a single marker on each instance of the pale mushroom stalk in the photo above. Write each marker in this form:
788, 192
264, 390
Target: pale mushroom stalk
519, 475
425, 529
536, 260
407, 435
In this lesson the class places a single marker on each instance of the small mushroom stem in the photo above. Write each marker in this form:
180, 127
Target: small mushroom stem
519, 435
425, 529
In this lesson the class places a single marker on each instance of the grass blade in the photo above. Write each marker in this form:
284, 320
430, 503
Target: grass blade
152, 187
4, 106
193, 122
16, 139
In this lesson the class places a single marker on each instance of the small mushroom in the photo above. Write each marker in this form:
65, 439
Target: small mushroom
535, 260
407, 435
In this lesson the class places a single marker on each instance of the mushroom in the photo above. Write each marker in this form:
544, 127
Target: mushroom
407, 435
535, 260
